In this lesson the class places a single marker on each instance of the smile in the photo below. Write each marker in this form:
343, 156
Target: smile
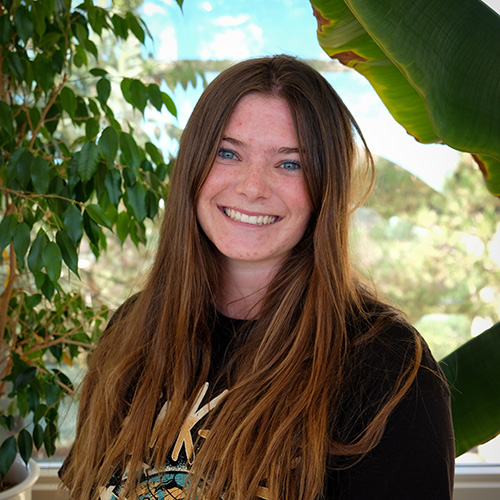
256, 220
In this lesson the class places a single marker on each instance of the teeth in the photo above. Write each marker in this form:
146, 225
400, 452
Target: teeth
256, 220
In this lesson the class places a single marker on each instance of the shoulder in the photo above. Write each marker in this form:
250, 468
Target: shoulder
418, 440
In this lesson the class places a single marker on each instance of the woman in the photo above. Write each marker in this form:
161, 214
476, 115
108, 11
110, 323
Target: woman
254, 364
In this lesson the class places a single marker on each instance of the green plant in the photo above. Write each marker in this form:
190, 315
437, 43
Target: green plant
435, 65
72, 171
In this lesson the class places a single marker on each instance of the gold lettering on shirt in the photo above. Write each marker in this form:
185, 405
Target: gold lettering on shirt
196, 413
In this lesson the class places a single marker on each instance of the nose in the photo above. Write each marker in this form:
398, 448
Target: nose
253, 182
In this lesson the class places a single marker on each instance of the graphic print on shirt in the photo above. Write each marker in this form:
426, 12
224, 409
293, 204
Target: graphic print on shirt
169, 482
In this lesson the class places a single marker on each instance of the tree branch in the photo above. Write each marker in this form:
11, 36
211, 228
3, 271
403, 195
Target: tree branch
52, 100
4, 307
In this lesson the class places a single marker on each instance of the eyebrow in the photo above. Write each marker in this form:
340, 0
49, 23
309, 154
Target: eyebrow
282, 150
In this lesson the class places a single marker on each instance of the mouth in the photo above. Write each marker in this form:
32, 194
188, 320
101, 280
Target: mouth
255, 220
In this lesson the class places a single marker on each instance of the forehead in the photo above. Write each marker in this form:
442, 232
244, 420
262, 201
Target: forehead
262, 118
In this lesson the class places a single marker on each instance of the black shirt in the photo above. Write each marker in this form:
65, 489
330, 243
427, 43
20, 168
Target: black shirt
414, 459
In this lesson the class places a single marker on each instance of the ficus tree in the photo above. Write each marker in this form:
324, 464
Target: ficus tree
72, 171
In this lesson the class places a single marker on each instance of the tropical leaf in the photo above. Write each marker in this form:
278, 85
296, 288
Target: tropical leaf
472, 374
421, 57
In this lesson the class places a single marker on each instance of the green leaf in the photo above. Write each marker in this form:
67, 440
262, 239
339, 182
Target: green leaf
8, 452
16, 66
153, 152
91, 229
80, 32
151, 204
49, 438
52, 260
81, 108
130, 151
52, 393
91, 47
472, 374
68, 251
129, 177
138, 95
35, 116
7, 227
44, 72
6, 118
35, 256
38, 436
113, 183
32, 397
23, 23
122, 226
38, 18
52, 415
112, 213
25, 445
135, 201
22, 404
33, 300
120, 26
137, 232
7, 422
135, 27
103, 90
24, 169
24, 378
421, 57
125, 88
40, 175
88, 160
21, 241
179, 3
45, 285
64, 379
98, 72
39, 413
80, 57
52, 118
72, 171
4, 29
91, 128
169, 104
94, 107
108, 145
68, 101
155, 96
97, 214
73, 224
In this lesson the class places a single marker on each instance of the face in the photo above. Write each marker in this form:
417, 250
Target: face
254, 205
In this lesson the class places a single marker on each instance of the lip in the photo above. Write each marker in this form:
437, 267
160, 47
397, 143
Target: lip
249, 218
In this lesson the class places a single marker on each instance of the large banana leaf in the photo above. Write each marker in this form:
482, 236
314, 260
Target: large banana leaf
434, 63
473, 375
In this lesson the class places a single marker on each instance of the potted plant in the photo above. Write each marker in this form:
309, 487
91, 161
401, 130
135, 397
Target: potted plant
71, 171
19, 480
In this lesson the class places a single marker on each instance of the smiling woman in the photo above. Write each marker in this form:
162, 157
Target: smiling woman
255, 364
254, 204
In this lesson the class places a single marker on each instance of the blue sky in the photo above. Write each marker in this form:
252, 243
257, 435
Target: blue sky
238, 29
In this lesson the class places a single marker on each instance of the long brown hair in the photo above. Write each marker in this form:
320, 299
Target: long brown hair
284, 412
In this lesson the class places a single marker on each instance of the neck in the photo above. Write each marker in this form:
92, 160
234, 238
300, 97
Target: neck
243, 287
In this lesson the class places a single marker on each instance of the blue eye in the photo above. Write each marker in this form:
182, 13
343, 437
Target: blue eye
226, 154
290, 165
